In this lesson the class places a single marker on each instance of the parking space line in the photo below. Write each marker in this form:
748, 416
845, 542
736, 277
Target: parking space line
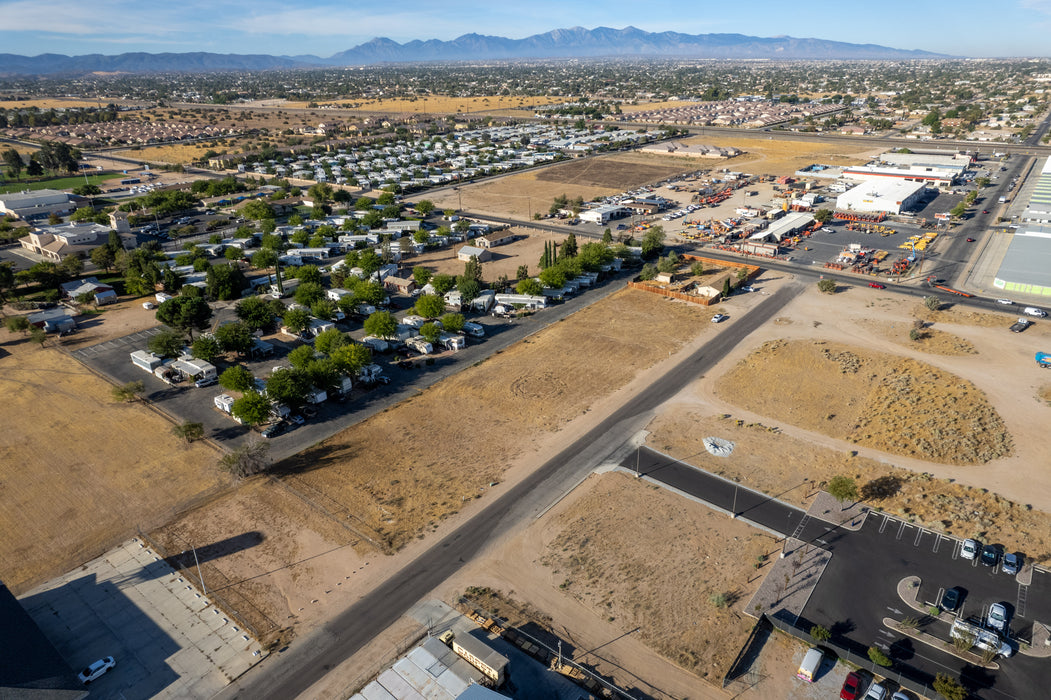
883, 525
901, 530
919, 536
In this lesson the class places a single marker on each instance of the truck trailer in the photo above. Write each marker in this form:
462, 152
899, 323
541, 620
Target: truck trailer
1043, 359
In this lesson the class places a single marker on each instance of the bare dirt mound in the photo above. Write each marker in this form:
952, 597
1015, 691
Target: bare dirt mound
889, 403
614, 555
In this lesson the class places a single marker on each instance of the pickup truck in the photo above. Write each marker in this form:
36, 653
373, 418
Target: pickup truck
1021, 325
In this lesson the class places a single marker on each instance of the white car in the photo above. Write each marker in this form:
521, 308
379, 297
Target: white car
826, 229
1005, 302
969, 549
997, 617
719, 318
96, 670
876, 692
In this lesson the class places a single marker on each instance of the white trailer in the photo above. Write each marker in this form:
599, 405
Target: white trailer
523, 300
420, 345
146, 360
452, 341
484, 301
375, 344
474, 329
224, 402
413, 321
316, 396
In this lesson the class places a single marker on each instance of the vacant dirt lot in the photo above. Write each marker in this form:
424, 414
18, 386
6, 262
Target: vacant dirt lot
524, 194
79, 473
894, 404
783, 157
442, 104
506, 258
398, 475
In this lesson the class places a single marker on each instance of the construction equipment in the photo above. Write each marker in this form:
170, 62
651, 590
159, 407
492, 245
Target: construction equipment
1043, 359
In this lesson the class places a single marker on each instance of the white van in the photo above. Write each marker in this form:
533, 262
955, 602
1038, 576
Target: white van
1033, 311
811, 663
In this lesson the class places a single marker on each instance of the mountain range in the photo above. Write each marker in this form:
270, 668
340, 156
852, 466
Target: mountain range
577, 42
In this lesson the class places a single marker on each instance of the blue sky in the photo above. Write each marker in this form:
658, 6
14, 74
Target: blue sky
324, 27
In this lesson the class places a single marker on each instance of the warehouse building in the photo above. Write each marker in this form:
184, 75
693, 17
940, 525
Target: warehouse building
891, 196
1038, 209
38, 204
1026, 267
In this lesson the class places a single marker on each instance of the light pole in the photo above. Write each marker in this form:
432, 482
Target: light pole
198, 564
637, 450
733, 511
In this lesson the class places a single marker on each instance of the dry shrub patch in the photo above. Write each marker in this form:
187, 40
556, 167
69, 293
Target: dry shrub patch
931, 340
624, 565
789, 468
1044, 394
889, 403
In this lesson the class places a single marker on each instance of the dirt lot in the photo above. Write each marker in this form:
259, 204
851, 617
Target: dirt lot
79, 473
523, 194
893, 404
782, 157
442, 104
506, 258
385, 480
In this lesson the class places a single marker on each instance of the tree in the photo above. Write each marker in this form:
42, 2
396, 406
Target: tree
453, 322
381, 324
823, 216
530, 287
206, 347
251, 458
877, 657
425, 206
7, 279
103, 257
301, 357
607, 237
13, 161
553, 277
697, 269
421, 275
522, 273
190, 432
328, 340
308, 292
443, 283
17, 323
569, 246
653, 243
949, 688
166, 344
125, 393
225, 282
324, 309
256, 313
289, 387
430, 332
237, 378
258, 209
726, 287
309, 273
469, 289
932, 303
842, 488
472, 270
821, 634
350, 358
185, 314
296, 320
958, 211
826, 285
235, 337
252, 408
233, 253
429, 305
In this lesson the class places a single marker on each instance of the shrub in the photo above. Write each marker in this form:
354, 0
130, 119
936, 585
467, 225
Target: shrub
821, 634
877, 657
827, 286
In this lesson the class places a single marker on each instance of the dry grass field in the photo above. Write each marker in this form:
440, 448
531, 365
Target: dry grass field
49, 103
523, 194
79, 473
506, 258
180, 153
398, 475
783, 157
442, 104
894, 404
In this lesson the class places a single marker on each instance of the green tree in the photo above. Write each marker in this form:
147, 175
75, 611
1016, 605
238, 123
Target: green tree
128, 392
13, 161
430, 305
258, 209
369, 293
235, 337
430, 332
225, 282
289, 387
826, 285
190, 432
823, 216
166, 343
301, 357
522, 273
328, 340
607, 237
569, 246
252, 408
237, 378
308, 292
877, 657
17, 324
381, 324
185, 314
932, 303
206, 347
443, 283
453, 322
425, 206
842, 488
256, 313
296, 320
821, 634
949, 688
103, 257
324, 309
469, 289
530, 287
421, 275
653, 242
553, 277
350, 358
309, 274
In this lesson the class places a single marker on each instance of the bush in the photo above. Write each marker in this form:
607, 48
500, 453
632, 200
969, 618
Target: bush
821, 634
877, 657
932, 303
128, 392
827, 286
949, 688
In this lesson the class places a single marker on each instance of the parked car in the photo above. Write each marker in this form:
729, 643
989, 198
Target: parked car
96, 670
1020, 325
990, 555
876, 692
900, 696
985, 211
273, 430
877, 285
970, 240
1012, 563
969, 549
951, 599
851, 687
296, 419
997, 617
205, 381
719, 318
1005, 302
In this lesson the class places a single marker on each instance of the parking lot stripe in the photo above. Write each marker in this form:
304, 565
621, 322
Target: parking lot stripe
901, 530
1023, 592
919, 536
883, 525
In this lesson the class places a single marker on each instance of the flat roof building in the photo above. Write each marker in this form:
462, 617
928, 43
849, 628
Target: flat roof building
1038, 210
1026, 267
892, 196
35, 204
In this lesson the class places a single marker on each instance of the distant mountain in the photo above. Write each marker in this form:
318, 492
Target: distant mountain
576, 42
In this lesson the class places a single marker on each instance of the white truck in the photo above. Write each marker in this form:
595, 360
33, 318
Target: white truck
1033, 311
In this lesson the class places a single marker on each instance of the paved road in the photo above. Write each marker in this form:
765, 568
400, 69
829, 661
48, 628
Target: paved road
858, 587
288, 674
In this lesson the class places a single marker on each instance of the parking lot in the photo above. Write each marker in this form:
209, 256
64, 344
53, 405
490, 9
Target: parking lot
168, 640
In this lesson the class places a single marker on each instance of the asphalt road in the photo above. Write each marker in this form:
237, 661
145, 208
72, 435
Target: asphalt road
859, 586
290, 673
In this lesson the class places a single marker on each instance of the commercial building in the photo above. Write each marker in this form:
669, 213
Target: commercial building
1026, 266
37, 204
74, 238
785, 226
1038, 210
938, 169
891, 196
603, 214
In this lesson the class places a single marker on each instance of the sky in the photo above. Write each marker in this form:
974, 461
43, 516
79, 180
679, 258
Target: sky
992, 28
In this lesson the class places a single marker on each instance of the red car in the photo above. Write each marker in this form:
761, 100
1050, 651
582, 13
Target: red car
985, 211
877, 285
851, 686
970, 240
